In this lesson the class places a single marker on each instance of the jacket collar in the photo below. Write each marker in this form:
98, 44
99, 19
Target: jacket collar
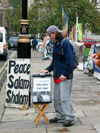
59, 42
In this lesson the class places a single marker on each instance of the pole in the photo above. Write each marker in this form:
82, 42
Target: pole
24, 46
76, 26
24, 9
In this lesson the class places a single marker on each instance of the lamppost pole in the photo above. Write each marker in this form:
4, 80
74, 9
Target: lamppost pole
24, 47
24, 9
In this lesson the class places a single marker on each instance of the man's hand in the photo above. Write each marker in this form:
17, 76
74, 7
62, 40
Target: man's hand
62, 77
44, 71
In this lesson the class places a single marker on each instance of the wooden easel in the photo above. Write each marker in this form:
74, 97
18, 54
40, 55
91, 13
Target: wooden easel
41, 112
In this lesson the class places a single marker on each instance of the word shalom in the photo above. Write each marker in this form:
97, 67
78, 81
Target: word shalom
16, 98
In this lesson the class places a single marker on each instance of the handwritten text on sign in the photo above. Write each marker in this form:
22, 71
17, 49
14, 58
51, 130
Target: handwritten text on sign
17, 89
42, 84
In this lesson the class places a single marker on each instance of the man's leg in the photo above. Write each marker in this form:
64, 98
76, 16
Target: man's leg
65, 93
57, 102
33, 47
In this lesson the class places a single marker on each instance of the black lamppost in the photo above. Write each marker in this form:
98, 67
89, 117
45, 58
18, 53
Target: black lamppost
24, 46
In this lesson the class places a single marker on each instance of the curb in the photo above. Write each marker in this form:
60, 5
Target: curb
2, 100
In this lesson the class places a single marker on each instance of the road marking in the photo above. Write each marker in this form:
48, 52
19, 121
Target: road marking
13, 54
5, 65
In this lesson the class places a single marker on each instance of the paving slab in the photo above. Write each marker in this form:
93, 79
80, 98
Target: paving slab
86, 107
90, 120
97, 127
79, 113
33, 130
19, 117
14, 111
16, 125
92, 112
73, 129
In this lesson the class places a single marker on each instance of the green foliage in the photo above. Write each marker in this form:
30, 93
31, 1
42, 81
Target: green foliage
13, 16
50, 13
41, 15
15, 3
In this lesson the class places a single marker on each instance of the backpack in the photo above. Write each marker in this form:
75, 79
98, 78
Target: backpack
76, 59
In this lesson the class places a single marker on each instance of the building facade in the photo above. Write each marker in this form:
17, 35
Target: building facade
3, 9
97, 2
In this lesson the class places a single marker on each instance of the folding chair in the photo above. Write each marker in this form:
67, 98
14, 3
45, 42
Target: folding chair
41, 112
41, 95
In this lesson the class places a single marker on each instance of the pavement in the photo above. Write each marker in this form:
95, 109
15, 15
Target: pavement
85, 100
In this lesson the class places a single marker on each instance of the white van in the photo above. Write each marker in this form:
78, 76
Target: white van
3, 43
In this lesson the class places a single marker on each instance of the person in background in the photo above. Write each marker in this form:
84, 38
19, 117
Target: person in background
62, 67
96, 58
48, 47
34, 44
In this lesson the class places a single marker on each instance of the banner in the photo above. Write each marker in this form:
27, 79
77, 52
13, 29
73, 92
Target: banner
76, 27
18, 83
64, 22
80, 31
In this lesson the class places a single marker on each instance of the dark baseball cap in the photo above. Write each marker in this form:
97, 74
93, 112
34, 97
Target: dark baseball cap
51, 29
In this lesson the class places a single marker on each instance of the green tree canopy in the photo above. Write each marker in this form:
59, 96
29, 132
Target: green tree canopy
42, 15
48, 12
13, 15
15, 3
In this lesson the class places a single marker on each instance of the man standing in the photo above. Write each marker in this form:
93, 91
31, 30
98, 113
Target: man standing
34, 43
62, 67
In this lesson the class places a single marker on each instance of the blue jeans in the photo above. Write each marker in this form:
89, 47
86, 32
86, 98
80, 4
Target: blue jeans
62, 102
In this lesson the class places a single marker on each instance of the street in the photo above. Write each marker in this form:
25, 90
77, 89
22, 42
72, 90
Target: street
85, 100
3, 67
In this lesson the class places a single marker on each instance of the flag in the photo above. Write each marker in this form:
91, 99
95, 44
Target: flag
65, 19
76, 18
80, 31
76, 26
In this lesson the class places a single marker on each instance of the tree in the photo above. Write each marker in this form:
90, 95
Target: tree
33, 18
15, 3
45, 16
13, 16
50, 13
44, 13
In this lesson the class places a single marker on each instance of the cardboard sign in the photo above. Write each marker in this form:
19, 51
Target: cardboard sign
18, 83
42, 90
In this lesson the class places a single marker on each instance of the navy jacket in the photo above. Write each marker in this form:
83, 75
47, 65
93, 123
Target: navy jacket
62, 64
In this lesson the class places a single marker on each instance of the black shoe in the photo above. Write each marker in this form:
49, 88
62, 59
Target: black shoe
54, 120
68, 123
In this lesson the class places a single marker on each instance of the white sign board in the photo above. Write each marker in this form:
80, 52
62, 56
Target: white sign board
18, 83
42, 90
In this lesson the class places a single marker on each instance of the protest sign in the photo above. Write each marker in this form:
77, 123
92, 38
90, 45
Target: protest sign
18, 83
42, 90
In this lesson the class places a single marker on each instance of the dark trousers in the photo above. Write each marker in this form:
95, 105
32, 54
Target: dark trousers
34, 47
